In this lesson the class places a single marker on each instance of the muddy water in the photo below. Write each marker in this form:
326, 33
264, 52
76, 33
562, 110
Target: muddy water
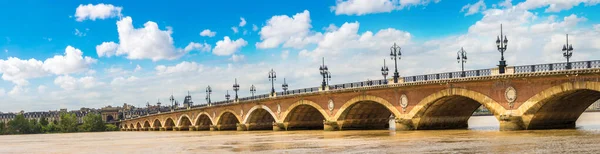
482, 137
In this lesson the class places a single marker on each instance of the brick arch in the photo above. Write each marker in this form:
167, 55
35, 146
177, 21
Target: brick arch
364, 98
299, 116
166, 120
178, 124
156, 121
455, 96
131, 126
304, 102
212, 122
537, 111
254, 108
147, 124
225, 111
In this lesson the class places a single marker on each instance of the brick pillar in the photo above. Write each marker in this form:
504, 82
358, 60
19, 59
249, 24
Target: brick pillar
511, 123
403, 124
330, 125
278, 127
241, 127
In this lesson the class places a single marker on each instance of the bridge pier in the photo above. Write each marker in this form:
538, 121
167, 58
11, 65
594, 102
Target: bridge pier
163, 128
403, 124
192, 128
213, 128
511, 123
330, 125
241, 127
279, 127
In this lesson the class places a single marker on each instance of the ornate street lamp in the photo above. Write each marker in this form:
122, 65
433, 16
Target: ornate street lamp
395, 54
384, 72
236, 87
172, 99
208, 91
568, 52
272, 77
252, 90
227, 96
501, 43
284, 86
461, 57
325, 73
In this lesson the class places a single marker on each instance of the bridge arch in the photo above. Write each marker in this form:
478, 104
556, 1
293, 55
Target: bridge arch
227, 120
451, 109
259, 117
184, 122
156, 124
365, 112
147, 125
203, 121
559, 106
131, 126
169, 124
304, 114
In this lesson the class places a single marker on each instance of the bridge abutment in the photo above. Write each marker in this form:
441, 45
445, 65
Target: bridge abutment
330, 125
404, 124
511, 123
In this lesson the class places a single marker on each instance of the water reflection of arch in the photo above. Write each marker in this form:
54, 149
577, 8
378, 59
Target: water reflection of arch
227, 120
304, 114
365, 112
559, 106
451, 109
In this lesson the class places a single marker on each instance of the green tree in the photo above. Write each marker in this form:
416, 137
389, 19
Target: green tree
2, 127
35, 127
50, 128
19, 125
111, 127
44, 121
93, 123
68, 122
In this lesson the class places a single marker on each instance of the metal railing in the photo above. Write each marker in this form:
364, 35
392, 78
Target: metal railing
419, 78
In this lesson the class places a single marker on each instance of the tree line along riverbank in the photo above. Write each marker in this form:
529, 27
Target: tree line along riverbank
67, 124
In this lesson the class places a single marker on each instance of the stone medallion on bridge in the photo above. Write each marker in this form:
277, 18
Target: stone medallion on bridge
278, 110
403, 102
511, 95
330, 105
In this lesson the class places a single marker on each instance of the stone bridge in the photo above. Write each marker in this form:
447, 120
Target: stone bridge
545, 96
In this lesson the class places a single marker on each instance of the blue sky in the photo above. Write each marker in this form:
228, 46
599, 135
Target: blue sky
72, 54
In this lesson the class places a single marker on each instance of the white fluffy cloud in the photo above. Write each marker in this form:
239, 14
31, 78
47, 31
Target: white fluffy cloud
473, 8
254, 27
289, 31
554, 5
18, 71
208, 33
148, 42
242, 22
72, 62
99, 11
183, 67
119, 81
235, 29
70, 83
237, 58
227, 46
107, 49
197, 46
362, 7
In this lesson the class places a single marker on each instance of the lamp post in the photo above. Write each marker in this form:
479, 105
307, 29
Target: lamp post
208, 91
172, 99
284, 86
461, 57
395, 54
384, 72
325, 73
227, 96
272, 77
568, 52
252, 90
501, 43
236, 87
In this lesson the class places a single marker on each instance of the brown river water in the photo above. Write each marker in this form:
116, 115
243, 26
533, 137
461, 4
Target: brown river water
481, 137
